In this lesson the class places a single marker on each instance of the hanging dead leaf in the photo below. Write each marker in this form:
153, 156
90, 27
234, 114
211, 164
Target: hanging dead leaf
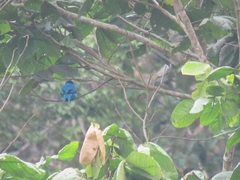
92, 143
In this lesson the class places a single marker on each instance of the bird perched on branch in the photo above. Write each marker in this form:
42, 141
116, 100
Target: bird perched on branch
68, 91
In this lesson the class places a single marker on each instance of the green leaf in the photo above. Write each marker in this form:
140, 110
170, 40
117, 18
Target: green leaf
69, 59
220, 72
112, 7
183, 45
86, 6
141, 50
198, 105
4, 27
68, 174
217, 126
140, 9
68, 152
64, 70
181, 116
48, 9
234, 120
68, 42
19, 168
215, 90
223, 176
125, 143
30, 85
144, 165
23, 46
106, 46
110, 131
233, 140
94, 168
228, 55
193, 68
236, 173
201, 90
119, 174
43, 75
210, 113
229, 107
169, 170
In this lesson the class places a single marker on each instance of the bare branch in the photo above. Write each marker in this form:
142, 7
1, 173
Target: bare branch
19, 133
6, 101
179, 10
116, 109
115, 28
237, 12
129, 105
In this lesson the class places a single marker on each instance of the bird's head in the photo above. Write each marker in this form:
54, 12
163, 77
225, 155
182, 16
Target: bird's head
69, 82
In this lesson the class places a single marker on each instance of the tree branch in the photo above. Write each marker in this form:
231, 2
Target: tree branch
19, 133
179, 10
237, 12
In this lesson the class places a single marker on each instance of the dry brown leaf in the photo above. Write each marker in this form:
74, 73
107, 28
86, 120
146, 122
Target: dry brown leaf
90, 146
92, 142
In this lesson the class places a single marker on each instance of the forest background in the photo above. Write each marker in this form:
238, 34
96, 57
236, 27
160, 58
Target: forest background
165, 71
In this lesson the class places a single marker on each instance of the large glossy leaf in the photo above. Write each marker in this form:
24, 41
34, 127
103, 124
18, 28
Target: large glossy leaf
162, 158
30, 85
23, 48
236, 173
19, 168
215, 90
193, 68
68, 174
110, 131
220, 72
223, 22
64, 70
125, 143
210, 113
201, 90
48, 9
119, 174
233, 140
68, 152
229, 107
218, 125
198, 105
228, 54
43, 75
106, 45
181, 116
144, 165
69, 59
86, 6
223, 176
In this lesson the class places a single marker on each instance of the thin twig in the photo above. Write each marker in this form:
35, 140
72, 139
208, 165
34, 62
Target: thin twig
19, 133
129, 105
6, 101
5, 4
116, 109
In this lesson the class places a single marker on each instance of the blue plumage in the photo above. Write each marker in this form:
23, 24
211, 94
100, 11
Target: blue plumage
68, 91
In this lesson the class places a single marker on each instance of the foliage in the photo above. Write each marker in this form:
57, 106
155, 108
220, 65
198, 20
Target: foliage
124, 57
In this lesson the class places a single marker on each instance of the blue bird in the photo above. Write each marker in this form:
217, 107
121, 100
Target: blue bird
68, 91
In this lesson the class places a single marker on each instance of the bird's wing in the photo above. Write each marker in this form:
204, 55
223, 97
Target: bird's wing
71, 89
